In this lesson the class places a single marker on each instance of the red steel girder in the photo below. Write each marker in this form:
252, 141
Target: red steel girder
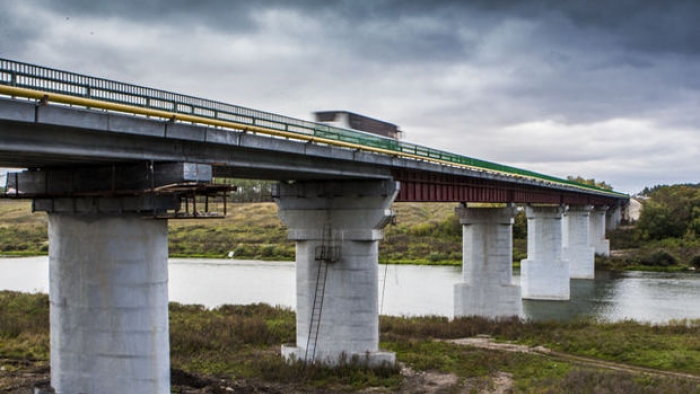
419, 186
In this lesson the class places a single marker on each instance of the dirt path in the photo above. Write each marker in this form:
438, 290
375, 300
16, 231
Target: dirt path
486, 342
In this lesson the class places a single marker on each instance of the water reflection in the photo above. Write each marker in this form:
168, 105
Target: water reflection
28, 274
589, 299
213, 282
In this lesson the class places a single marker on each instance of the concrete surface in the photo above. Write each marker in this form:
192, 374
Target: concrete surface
487, 270
350, 218
575, 246
544, 275
108, 288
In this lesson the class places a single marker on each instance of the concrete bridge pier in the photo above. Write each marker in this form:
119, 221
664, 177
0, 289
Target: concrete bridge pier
613, 218
487, 270
597, 230
337, 226
108, 289
576, 245
544, 275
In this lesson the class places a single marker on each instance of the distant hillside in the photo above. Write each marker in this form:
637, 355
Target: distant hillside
422, 233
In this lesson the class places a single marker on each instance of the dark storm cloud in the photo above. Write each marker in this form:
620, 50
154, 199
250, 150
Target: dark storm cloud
455, 74
416, 30
221, 14
640, 25
379, 31
14, 33
648, 26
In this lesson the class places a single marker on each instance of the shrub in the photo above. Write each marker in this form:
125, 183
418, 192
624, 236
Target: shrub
435, 257
695, 261
660, 258
267, 250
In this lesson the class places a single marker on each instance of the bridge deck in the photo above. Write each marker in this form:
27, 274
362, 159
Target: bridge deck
93, 122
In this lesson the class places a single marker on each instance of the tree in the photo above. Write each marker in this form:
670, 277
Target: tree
670, 212
520, 226
592, 182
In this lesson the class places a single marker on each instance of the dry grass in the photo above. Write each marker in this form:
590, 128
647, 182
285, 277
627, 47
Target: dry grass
19, 213
21, 231
423, 234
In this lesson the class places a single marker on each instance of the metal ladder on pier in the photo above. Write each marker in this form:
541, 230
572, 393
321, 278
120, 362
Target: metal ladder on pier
324, 255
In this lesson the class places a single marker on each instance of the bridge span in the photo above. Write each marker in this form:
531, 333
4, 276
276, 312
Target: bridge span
111, 162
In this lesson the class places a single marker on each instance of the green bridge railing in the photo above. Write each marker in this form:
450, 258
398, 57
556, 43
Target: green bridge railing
23, 75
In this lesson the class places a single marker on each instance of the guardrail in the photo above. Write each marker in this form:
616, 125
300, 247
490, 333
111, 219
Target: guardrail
71, 88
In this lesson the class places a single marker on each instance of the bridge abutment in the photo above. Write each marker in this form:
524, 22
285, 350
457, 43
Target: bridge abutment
544, 274
487, 269
109, 303
337, 226
576, 245
597, 230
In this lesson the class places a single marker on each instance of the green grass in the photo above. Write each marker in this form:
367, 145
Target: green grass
24, 326
672, 347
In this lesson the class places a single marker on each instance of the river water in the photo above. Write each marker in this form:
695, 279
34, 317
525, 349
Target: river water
404, 290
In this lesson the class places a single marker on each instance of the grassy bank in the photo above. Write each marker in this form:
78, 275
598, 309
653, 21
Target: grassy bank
241, 343
631, 252
423, 233
22, 232
251, 231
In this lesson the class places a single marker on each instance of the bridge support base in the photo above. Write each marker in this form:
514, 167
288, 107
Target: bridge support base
544, 275
487, 271
597, 231
337, 227
109, 304
576, 246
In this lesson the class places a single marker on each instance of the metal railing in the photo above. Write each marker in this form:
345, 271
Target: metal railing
28, 76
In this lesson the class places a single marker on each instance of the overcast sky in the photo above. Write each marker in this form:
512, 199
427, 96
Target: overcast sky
602, 89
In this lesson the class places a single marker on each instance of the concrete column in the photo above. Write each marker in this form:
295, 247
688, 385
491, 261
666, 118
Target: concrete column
544, 275
597, 231
346, 218
487, 269
109, 304
576, 246
613, 218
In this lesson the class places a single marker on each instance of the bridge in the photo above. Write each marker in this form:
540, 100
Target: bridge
111, 162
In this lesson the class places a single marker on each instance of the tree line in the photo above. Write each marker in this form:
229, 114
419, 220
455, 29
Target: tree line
670, 212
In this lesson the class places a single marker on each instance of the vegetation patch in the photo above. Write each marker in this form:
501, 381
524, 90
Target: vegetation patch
236, 343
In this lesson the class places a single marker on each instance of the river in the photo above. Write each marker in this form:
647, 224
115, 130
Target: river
404, 290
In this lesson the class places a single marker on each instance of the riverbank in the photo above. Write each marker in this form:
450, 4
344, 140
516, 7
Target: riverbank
423, 234
237, 348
